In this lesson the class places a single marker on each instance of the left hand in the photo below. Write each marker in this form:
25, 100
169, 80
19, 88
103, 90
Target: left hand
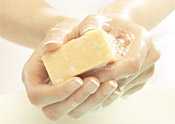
131, 72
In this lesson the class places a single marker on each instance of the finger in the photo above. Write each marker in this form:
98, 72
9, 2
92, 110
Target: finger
37, 73
137, 83
105, 90
93, 22
53, 40
116, 70
89, 23
55, 36
42, 95
115, 95
153, 56
57, 110
126, 81
134, 89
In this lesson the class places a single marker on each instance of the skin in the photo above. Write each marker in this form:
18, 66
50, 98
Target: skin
147, 13
78, 95
114, 72
19, 21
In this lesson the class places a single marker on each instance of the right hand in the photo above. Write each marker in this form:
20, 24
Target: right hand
40, 89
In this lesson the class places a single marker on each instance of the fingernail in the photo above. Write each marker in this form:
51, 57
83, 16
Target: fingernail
76, 82
93, 85
113, 84
50, 46
109, 88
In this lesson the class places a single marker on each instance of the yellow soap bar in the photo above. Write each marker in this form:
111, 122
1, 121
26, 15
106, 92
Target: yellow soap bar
91, 50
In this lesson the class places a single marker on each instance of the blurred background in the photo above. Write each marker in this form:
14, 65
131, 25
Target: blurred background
154, 104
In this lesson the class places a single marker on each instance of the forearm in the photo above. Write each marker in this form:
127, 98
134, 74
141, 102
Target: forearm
26, 22
148, 13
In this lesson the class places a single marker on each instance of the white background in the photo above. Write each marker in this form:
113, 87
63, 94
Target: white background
154, 105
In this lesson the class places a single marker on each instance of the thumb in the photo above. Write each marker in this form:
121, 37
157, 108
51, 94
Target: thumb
56, 35
53, 40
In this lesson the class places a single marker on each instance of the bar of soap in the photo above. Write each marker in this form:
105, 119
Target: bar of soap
93, 49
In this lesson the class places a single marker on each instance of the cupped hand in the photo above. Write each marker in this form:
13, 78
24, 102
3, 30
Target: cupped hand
55, 100
97, 87
136, 58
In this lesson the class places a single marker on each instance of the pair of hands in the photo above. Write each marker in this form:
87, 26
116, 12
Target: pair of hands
98, 87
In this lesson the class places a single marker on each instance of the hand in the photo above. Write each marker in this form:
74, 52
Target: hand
131, 71
54, 100
75, 104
